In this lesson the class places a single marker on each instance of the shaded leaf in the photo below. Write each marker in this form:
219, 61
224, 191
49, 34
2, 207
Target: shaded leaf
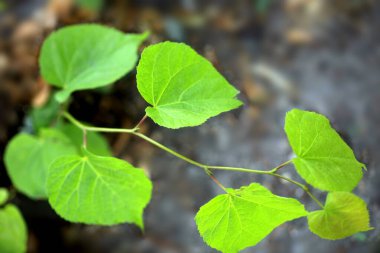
13, 232
43, 116
87, 56
344, 214
28, 157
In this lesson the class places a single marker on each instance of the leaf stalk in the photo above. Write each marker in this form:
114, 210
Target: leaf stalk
208, 168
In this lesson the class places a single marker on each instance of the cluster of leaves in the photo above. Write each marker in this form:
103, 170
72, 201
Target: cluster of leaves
88, 185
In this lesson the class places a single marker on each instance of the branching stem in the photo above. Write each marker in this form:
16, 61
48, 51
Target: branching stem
207, 168
141, 121
96, 129
274, 170
217, 182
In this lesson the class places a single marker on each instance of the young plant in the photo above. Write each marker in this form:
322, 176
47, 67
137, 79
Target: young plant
84, 183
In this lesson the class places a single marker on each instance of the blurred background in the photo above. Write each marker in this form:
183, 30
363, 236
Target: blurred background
320, 55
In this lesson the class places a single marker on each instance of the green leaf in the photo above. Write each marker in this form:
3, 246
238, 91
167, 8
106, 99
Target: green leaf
323, 159
344, 214
43, 116
13, 232
243, 217
28, 157
98, 190
87, 56
96, 143
181, 86
3, 195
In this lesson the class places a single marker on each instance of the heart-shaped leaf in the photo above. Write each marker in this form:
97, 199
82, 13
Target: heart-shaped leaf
87, 56
181, 86
98, 190
323, 159
243, 217
344, 214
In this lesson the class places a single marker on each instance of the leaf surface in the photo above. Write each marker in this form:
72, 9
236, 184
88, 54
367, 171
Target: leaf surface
182, 87
28, 157
98, 190
323, 159
344, 214
243, 217
13, 232
87, 56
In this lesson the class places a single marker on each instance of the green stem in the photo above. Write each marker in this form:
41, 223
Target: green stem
97, 129
274, 170
218, 183
304, 187
207, 168
159, 145
271, 172
141, 121
240, 169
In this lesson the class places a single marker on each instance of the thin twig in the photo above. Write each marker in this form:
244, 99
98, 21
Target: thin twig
274, 170
206, 168
140, 122
217, 182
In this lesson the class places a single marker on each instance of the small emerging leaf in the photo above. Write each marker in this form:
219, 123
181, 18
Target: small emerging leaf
3, 195
87, 56
98, 190
323, 159
181, 86
344, 214
28, 157
243, 217
13, 232
43, 116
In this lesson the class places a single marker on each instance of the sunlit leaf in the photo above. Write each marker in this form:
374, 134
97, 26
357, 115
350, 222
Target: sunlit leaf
182, 87
243, 217
323, 159
98, 190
